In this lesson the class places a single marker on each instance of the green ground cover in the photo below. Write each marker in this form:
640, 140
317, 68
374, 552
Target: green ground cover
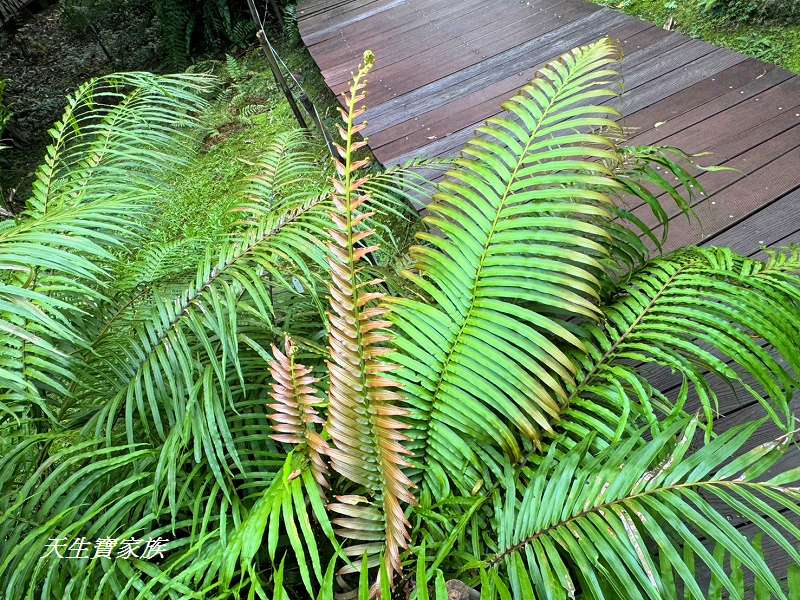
771, 42
248, 113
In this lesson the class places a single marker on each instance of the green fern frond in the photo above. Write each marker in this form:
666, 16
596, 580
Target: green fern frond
697, 313
117, 133
118, 136
604, 514
288, 172
514, 220
158, 368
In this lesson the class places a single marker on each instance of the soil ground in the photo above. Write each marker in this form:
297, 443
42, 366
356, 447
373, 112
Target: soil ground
43, 59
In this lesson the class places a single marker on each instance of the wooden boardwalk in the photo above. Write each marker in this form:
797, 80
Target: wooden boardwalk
444, 66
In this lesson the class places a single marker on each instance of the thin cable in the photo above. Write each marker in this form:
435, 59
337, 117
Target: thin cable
291, 75
312, 109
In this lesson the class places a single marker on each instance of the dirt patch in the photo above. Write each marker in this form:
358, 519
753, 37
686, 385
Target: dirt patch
44, 60
222, 133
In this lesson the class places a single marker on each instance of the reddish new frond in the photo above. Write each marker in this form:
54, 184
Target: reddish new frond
294, 393
362, 411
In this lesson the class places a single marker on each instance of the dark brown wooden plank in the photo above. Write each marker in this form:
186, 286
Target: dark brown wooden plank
428, 19
686, 75
509, 69
456, 97
436, 28
771, 225
466, 50
320, 26
750, 77
666, 55
738, 110
745, 152
471, 105
736, 203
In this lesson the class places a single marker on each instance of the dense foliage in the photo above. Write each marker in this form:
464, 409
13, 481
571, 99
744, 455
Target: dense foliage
733, 24
758, 11
5, 113
302, 402
188, 26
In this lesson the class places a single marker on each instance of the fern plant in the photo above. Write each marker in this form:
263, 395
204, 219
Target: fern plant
190, 25
521, 403
5, 112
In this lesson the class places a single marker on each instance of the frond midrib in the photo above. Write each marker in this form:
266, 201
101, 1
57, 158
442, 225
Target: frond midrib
608, 355
444, 372
214, 274
495, 560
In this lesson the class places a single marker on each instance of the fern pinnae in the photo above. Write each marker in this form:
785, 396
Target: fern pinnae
524, 241
294, 394
634, 494
169, 346
722, 313
362, 411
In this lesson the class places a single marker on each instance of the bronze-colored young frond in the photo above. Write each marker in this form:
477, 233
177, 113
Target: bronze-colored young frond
362, 417
294, 415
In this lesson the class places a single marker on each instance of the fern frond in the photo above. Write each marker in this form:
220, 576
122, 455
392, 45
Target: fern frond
287, 173
285, 504
697, 313
157, 366
363, 416
294, 414
233, 69
160, 261
118, 135
589, 523
56, 274
516, 256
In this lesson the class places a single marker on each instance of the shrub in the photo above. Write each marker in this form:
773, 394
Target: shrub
483, 405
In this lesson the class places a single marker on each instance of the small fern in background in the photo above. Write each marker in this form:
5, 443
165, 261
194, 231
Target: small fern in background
233, 70
5, 112
190, 25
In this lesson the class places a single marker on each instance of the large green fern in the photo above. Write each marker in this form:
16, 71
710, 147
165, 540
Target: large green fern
529, 408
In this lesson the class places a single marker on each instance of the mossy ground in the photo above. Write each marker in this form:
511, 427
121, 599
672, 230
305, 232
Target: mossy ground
778, 44
244, 118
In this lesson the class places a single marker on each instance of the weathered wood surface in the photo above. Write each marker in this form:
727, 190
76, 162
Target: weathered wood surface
444, 67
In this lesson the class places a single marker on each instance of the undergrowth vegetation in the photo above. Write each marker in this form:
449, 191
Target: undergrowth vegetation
187, 28
764, 29
5, 112
756, 11
213, 336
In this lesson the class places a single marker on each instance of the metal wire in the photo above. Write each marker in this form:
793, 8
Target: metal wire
310, 106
